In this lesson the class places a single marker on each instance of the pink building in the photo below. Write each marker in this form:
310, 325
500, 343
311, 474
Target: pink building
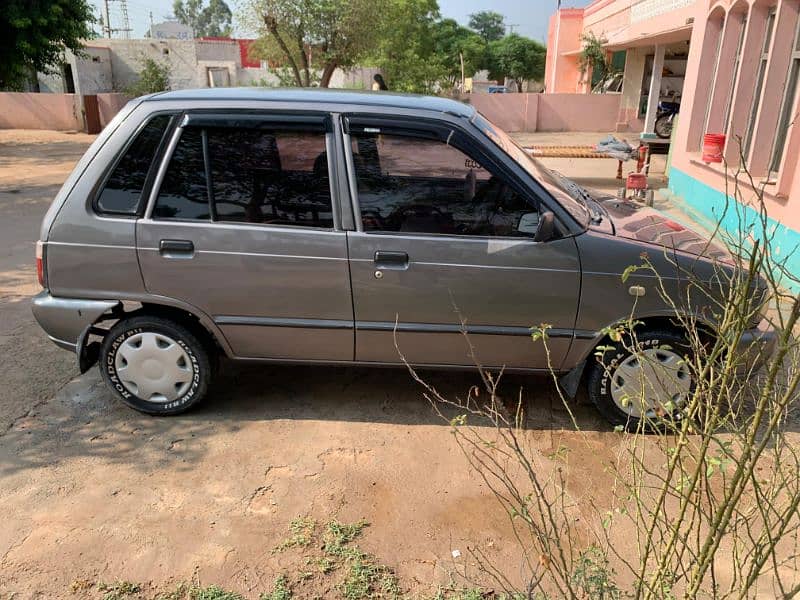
735, 65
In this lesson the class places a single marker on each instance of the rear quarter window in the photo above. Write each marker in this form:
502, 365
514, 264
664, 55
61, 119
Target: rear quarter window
121, 193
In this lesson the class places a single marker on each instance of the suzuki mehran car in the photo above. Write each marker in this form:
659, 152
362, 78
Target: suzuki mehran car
333, 227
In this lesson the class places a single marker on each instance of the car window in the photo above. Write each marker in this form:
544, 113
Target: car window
268, 176
248, 175
418, 185
184, 191
122, 191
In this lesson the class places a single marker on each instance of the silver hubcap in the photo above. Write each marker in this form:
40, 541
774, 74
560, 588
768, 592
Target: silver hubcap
154, 367
650, 380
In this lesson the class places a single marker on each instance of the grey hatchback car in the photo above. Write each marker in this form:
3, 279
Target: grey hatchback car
300, 226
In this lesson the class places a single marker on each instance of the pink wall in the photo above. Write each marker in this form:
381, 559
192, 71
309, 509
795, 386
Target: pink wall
563, 45
109, 105
549, 112
22, 110
783, 195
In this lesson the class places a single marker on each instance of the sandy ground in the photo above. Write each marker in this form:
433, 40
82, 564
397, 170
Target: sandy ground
91, 491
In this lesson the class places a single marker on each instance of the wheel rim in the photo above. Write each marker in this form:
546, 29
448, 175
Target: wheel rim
154, 367
651, 381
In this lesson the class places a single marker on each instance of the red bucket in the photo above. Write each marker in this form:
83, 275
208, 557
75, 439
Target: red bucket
713, 145
636, 181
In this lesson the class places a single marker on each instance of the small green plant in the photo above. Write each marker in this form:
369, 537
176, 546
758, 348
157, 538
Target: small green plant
187, 591
154, 77
302, 530
593, 576
119, 590
338, 535
593, 57
280, 590
365, 579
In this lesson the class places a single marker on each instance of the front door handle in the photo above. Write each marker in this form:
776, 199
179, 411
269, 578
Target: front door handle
391, 260
181, 248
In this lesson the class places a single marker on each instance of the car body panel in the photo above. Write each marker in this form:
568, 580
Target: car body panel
498, 287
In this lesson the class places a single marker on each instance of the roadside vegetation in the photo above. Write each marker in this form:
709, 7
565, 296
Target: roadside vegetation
702, 496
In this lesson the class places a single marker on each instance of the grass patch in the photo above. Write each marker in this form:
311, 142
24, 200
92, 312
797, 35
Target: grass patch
119, 590
186, 591
280, 590
339, 535
302, 532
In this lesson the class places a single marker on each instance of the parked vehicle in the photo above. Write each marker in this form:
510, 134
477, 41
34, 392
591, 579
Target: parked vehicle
497, 89
665, 117
315, 226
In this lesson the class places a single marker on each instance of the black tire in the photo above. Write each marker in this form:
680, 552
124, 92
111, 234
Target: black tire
200, 364
603, 370
663, 127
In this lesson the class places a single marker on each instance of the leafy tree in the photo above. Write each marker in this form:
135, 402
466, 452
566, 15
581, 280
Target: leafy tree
154, 77
406, 52
35, 33
310, 35
213, 20
489, 25
452, 42
516, 57
593, 57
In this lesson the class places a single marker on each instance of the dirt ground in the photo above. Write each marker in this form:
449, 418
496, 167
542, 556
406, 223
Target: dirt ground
91, 491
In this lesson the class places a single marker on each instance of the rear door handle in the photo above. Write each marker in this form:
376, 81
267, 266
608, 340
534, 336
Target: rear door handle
391, 260
176, 247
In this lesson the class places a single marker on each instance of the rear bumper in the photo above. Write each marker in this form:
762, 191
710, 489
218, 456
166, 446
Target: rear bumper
65, 320
755, 347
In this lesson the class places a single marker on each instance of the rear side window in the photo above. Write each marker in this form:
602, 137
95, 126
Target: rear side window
122, 192
248, 175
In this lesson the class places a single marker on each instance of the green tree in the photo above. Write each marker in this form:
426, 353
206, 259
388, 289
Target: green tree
154, 77
593, 57
518, 58
452, 43
306, 36
406, 51
35, 33
213, 20
489, 25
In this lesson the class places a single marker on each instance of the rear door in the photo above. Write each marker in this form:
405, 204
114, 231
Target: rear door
445, 245
241, 226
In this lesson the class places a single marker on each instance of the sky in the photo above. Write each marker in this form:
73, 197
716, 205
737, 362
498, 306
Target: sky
528, 17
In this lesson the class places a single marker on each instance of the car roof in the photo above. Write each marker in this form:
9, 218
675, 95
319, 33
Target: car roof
321, 96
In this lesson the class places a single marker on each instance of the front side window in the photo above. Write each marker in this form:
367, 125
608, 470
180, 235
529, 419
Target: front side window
252, 174
122, 192
420, 185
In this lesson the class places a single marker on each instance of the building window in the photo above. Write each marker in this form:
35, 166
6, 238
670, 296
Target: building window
787, 114
760, 76
737, 63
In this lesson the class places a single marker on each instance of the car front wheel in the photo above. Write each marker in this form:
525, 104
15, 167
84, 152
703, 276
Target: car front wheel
642, 385
155, 365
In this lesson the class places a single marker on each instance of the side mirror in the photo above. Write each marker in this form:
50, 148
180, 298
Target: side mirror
547, 227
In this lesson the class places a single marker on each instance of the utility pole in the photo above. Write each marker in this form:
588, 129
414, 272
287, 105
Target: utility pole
511, 27
106, 20
151, 23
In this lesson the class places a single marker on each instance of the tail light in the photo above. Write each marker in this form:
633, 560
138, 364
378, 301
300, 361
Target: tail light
40, 263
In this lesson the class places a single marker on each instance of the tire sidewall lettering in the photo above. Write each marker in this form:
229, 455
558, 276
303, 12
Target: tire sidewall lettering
110, 369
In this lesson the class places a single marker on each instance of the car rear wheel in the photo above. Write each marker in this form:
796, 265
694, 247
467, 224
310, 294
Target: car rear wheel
646, 386
154, 365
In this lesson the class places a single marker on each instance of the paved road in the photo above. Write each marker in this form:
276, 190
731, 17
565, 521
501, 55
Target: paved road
92, 491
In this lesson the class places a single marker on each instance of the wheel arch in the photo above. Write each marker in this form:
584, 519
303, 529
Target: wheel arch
88, 349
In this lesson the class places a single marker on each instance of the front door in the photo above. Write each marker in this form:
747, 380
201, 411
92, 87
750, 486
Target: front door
242, 229
446, 248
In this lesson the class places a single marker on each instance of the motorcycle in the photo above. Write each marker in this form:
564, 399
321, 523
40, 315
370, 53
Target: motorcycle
666, 116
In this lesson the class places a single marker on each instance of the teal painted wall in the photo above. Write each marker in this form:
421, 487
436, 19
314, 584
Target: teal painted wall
734, 217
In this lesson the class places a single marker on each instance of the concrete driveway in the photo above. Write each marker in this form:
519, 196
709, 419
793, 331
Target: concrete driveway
91, 491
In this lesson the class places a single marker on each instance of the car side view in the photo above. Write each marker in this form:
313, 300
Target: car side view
333, 227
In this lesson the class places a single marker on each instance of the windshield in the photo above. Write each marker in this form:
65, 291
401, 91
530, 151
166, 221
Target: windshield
556, 185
